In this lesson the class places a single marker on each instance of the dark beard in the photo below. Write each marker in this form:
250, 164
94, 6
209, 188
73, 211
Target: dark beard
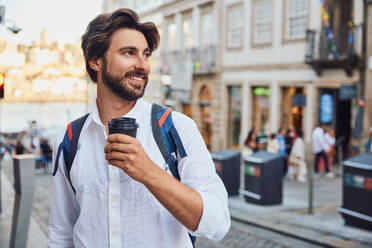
119, 84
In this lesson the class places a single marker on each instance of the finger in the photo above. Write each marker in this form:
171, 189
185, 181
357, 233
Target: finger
116, 163
107, 148
113, 155
120, 147
120, 138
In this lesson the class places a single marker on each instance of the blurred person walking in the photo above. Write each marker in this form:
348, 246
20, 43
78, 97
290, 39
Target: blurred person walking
46, 154
282, 148
297, 158
273, 144
122, 192
19, 148
251, 142
320, 147
289, 138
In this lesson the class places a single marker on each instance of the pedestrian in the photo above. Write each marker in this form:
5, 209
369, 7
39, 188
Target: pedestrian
273, 144
297, 158
125, 194
19, 148
289, 139
330, 140
320, 147
282, 149
251, 142
46, 154
368, 144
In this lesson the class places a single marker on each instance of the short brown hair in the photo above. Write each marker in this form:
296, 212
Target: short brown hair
97, 37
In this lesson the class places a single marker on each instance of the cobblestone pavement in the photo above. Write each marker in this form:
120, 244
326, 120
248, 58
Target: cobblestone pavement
245, 236
239, 236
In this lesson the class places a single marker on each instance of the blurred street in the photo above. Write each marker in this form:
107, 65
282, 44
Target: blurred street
278, 226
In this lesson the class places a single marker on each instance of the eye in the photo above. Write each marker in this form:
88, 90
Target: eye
129, 52
147, 55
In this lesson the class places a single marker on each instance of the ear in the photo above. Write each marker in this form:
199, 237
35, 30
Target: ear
96, 64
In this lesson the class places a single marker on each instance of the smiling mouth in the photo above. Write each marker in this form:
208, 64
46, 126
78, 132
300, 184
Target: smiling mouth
139, 79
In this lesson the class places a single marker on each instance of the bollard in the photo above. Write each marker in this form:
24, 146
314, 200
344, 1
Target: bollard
24, 184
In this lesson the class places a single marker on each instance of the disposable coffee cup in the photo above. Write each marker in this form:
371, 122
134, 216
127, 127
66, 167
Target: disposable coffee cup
123, 125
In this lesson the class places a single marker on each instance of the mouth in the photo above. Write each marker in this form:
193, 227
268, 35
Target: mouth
136, 80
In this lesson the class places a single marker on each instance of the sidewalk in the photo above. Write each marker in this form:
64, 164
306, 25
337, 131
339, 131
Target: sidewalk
325, 227
36, 237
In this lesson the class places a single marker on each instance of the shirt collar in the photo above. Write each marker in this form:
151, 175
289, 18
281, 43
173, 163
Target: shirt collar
133, 113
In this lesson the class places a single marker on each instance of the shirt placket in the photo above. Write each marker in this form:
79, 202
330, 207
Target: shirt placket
114, 205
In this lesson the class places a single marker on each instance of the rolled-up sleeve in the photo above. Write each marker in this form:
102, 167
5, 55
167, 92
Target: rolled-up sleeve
197, 171
64, 210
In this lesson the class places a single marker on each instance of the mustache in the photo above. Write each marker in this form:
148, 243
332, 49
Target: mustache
136, 73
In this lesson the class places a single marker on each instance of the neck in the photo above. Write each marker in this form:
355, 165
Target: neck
110, 105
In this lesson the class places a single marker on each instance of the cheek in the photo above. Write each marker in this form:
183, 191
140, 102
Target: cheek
148, 68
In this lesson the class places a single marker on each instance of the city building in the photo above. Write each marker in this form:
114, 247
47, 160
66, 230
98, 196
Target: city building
43, 72
292, 63
235, 64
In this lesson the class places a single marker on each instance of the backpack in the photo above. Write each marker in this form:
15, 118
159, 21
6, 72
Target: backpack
165, 135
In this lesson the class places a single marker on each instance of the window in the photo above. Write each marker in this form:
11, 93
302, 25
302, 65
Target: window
188, 41
172, 35
262, 29
296, 19
206, 29
234, 116
235, 27
261, 109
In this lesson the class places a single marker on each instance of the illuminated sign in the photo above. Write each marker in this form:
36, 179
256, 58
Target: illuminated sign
261, 91
326, 108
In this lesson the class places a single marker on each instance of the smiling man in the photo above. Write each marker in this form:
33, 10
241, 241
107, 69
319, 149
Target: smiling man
119, 191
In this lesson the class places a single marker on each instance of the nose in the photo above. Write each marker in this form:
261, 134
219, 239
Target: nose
142, 64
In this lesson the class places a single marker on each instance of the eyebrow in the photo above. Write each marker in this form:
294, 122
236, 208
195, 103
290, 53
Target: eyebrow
132, 48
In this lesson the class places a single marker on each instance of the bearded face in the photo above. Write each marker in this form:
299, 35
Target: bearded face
129, 86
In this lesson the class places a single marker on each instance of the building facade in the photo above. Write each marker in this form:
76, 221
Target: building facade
235, 64
292, 63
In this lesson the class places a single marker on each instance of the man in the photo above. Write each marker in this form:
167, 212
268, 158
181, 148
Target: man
320, 146
125, 195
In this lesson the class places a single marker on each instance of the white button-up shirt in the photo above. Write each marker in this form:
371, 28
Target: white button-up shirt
318, 140
110, 209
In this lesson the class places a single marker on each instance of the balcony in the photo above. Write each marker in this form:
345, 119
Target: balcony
203, 59
327, 49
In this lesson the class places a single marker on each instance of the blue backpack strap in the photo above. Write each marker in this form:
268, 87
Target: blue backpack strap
168, 140
166, 137
69, 145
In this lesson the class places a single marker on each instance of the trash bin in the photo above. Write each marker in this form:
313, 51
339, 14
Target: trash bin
263, 178
227, 163
357, 191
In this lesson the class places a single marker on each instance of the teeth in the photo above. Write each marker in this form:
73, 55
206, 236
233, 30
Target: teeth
136, 78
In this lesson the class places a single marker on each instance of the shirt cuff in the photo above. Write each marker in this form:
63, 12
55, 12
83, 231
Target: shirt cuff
215, 219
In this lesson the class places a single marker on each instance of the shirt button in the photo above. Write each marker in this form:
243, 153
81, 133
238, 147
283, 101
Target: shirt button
113, 198
114, 233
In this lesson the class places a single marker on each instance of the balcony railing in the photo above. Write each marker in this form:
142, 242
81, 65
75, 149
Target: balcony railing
203, 59
334, 49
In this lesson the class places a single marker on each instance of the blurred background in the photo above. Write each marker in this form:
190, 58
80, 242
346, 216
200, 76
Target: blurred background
243, 70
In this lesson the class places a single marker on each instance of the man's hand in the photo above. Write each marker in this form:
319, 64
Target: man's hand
184, 203
127, 153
